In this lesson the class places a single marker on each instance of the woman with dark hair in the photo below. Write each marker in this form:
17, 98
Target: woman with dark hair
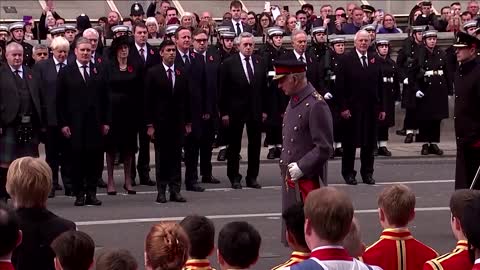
83, 23
388, 25
252, 21
123, 79
414, 13
264, 22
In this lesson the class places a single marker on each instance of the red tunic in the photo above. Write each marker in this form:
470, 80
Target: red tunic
194, 264
398, 250
296, 257
6, 266
476, 266
458, 259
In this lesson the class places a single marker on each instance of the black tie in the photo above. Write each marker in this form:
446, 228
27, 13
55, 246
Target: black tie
170, 77
60, 66
364, 61
249, 69
301, 59
239, 31
186, 60
85, 73
17, 73
142, 55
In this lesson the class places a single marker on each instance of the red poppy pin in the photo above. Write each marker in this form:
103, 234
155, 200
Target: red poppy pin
151, 52
29, 76
372, 60
130, 69
193, 55
95, 70
177, 72
295, 98
99, 60
210, 58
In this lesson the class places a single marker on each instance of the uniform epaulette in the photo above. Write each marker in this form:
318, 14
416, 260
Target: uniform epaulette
317, 96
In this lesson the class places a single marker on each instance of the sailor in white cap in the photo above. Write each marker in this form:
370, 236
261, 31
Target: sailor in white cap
170, 31
120, 30
4, 33
317, 47
70, 32
17, 31
372, 31
57, 31
470, 27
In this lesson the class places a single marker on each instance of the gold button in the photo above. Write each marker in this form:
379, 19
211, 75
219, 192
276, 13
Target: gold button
295, 128
308, 104
283, 149
281, 161
283, 125
283, 137
299, 116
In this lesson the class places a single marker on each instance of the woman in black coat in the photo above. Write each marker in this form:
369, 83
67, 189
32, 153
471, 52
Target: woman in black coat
391, 94
123, 80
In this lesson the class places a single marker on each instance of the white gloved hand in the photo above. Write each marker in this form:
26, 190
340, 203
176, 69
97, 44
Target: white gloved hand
419, 94
328, 96
405, 81
295, 172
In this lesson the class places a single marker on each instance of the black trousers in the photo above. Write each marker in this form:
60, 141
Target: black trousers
195, 146
410, 121
430, 130
468, 161
168, 164
56, 152
143, 160
382, 133
273, 134
86, 166
223, 135
366, 157
254, 136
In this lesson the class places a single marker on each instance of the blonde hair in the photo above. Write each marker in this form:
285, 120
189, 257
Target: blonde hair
398, 204
166, 246
60, 43
29, 181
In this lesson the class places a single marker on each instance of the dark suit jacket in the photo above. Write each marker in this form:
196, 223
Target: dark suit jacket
153, 56
314, 72
39, 227
238, 98
10, 101
233, 28
82, 106
166, 109
47, 73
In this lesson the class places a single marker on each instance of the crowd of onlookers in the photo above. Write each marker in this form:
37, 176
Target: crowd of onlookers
324, 229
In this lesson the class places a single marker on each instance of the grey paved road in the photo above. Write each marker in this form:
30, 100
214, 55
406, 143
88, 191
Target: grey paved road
123, 221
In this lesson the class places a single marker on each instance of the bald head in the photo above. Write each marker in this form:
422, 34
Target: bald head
14, 55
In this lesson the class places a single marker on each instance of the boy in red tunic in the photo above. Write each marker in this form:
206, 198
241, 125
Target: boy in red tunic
458, 259
201, 232
397, 249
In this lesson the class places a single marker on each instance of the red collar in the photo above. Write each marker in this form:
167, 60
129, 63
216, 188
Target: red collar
300, 255
396, 234
198, 264
462, 244
331, 254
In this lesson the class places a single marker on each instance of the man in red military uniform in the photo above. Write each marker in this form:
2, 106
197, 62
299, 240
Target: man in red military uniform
457, 259
397, 249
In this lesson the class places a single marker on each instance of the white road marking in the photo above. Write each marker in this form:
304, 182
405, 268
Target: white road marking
233, 216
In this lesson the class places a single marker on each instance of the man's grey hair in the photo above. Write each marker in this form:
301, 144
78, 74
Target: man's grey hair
81, 40
361, 32
300, 76
39, 47
245, 35
90, 31
295, 32
13, 46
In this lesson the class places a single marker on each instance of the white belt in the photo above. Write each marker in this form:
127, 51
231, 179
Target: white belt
433, 72
388, 79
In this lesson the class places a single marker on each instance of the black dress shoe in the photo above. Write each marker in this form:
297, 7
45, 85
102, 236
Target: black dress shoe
161, 198
92, 200
401, 132
236, 185
252, 183
129, 191
222, 155
338, 152
425, 150
52, 193
210, 180
68, 192
176, 197
350, 180
147, 182
58, 187
375, 152
271, 153
111, 193
409, 138
383, 151
278, 152
434, 149
195, 188
101, 183
368, 179
80, 201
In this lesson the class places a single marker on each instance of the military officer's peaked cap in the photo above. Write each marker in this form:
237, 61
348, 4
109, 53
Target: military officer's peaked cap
120, 29
318, 29
285, 67
16, 25
469, 24
171, 28
367, 8
228, 35
418, 28
379, 42
430, 33
57, 30
275, 31
3, 28
369, 27
336, 40
464, 40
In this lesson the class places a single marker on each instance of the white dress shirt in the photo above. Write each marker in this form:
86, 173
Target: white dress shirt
173, 72
360, 57
235, 26
20, 69
57, 63
183, 56
244, 64
93, 56
144, 47
297, 55
80, 67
